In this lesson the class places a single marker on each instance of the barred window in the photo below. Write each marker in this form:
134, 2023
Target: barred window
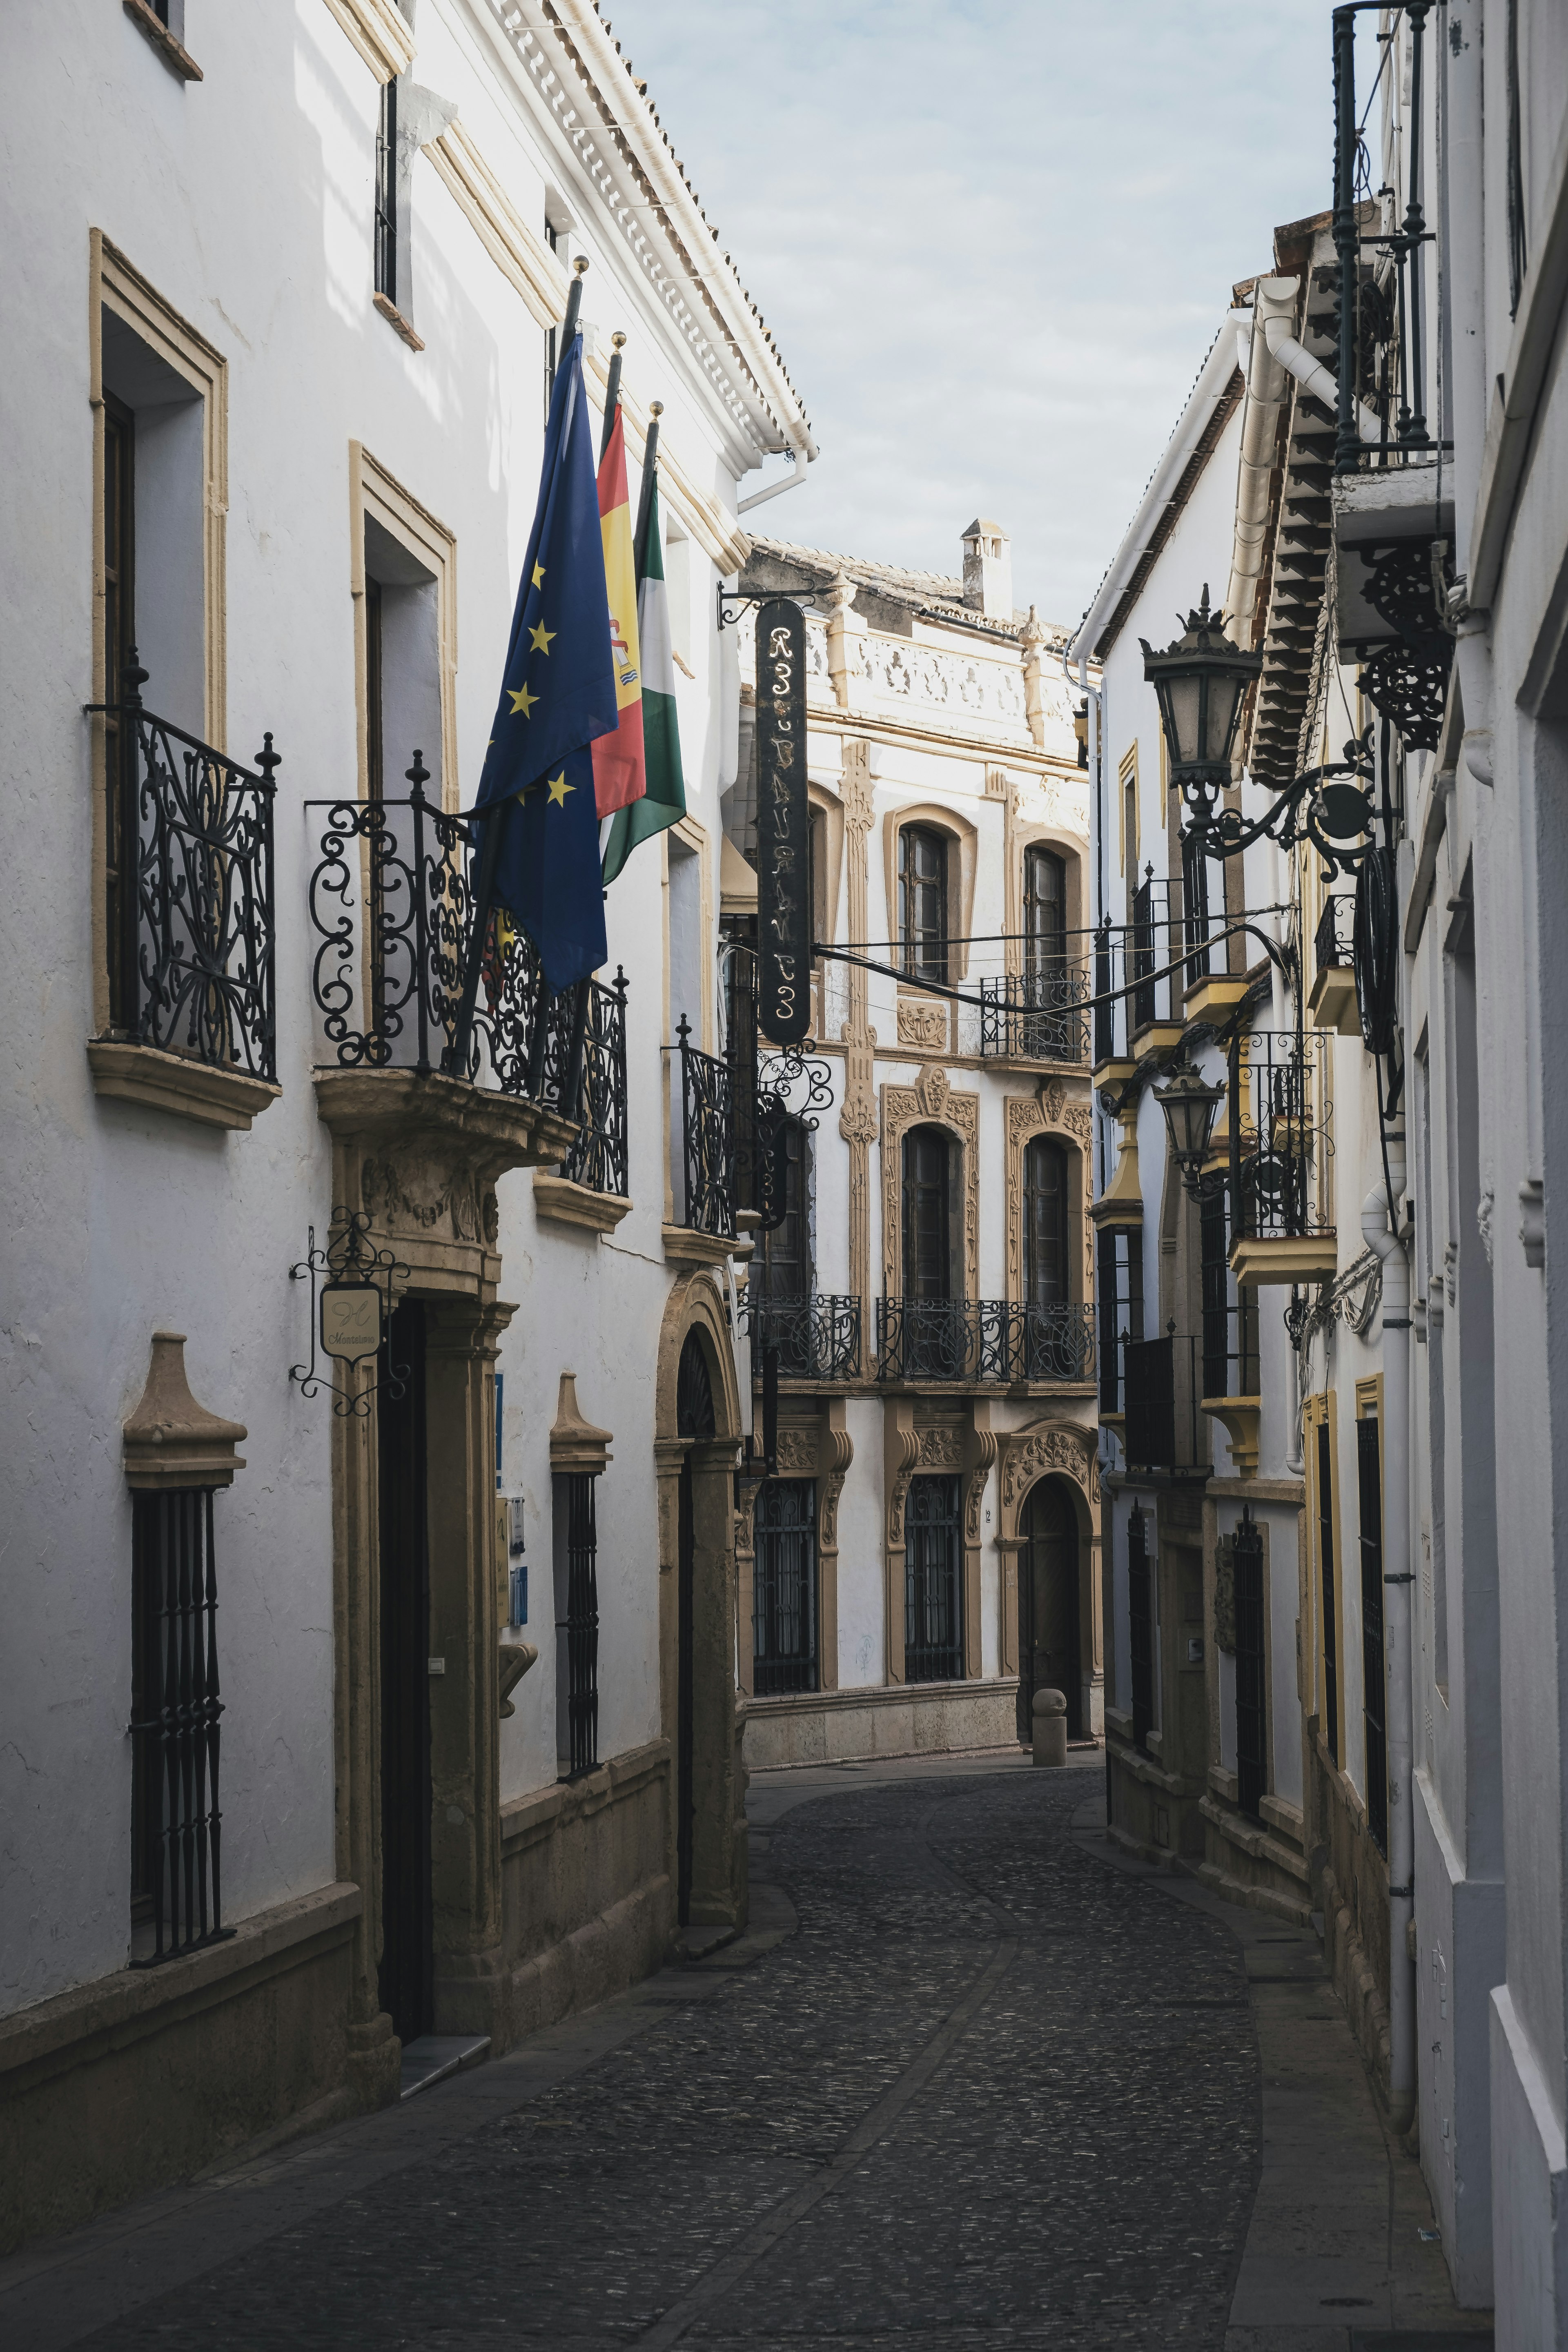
175, 1822
784, 1588
576, 1624
934, 1582
922, 902
386, 195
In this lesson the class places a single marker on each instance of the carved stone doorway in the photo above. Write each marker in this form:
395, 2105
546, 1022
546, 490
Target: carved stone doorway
1050, 1640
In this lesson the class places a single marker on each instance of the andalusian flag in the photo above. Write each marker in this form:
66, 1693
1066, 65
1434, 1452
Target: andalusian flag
665, 799
618, 770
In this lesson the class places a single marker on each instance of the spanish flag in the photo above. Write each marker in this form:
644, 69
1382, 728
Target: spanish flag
620, 774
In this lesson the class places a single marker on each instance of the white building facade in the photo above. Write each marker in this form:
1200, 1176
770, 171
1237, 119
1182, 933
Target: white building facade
429, 1661
927, 1556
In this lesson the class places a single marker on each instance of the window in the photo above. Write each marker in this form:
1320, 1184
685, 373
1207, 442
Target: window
1120, 1296
1045, 913
934, 1582
576, 1624
1326, 1572
175, 1895
386, 195
1230, 1332
1047, 1275
1374, 1698
922, 902
784, 1588
553, 239
119, 639
787, 1270
931, 1192
1128, 774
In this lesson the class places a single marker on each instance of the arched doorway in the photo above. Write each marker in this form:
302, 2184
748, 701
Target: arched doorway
693, 1420
1050, 1648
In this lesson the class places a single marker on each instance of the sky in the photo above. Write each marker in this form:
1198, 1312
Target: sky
993, 240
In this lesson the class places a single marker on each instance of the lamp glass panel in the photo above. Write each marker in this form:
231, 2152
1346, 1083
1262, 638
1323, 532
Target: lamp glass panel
1225, 702
1183, 700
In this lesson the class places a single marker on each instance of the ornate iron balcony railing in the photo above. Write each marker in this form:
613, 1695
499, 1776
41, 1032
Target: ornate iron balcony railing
818, 1337
392, 910
708, 1140
1035, 1016
983, 1340
1286, 1138
1333, 941
190, 858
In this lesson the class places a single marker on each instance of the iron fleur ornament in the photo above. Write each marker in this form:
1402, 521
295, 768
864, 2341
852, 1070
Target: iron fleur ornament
352, 1297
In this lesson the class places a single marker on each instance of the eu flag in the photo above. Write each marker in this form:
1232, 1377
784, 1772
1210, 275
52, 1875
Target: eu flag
558, 694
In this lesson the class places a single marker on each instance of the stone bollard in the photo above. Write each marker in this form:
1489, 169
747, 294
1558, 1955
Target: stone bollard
1050, 1723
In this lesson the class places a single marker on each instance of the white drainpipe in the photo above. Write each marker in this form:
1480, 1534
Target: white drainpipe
1397, 1616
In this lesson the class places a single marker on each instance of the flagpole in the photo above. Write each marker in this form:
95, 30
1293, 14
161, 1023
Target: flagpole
644, 496
612, 395
453, 1061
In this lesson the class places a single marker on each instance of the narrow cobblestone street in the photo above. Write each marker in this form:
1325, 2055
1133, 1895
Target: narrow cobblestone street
964, 2083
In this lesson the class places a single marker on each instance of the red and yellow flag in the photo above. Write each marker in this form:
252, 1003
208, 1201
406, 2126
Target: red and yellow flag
620, 773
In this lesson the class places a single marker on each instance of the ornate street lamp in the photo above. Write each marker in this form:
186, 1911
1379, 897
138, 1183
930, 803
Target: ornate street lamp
1200, 681
1190, 1105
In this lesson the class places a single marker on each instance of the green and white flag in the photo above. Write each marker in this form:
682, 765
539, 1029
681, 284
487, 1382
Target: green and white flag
665, 799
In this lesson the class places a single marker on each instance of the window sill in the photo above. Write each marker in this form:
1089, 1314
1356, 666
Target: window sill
391, 314
143, 1074
575, 1204
684, 1247
179, 60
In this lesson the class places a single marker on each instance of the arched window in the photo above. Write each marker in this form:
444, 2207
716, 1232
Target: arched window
922, 902
1045, 912
930, 1196
1048, 1278
787, 1270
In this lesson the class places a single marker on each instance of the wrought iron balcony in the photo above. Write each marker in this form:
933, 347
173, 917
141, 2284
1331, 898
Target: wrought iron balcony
818, 1337
1143, 967
1035, 1016
190, 862
599, 1159
392, 911
708, 1165
983, 1340
1333, 941
1287, 1143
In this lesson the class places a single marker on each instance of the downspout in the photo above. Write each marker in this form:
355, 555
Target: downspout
800, 457
1314, 376
1382, 1239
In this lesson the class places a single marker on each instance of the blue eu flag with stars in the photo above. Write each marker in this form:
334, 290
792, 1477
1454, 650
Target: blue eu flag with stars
557, 696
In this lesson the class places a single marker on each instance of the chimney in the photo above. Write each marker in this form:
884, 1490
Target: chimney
988, 570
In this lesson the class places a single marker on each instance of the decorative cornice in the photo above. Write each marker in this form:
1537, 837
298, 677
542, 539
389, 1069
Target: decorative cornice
380, 32
524, 261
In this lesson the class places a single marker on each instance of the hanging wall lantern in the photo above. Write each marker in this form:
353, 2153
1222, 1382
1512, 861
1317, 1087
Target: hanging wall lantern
1190, 1105
1200, 681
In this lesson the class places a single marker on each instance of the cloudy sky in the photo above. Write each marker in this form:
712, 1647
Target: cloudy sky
991, 237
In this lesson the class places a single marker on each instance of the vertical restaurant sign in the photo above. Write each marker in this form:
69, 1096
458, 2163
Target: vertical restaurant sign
783, 893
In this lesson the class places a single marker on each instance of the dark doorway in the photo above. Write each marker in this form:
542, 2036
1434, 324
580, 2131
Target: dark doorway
1049, 1653
407, 1967
693, 1419
934, 1582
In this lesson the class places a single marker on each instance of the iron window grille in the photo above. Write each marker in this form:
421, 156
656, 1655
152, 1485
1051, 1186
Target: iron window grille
817, 1338
1374, 1701
191, 928
784, 1588
392, 911
1141, 1627
1251, 1667
176, 1821
1286, 1138
934, 1582
707, 1138
580, 1625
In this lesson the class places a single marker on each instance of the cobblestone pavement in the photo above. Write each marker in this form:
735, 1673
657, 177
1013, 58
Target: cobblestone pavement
989, 2093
